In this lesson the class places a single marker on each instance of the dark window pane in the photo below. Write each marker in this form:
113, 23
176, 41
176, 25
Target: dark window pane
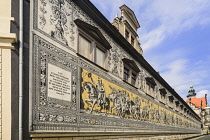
132, 41
133, 79
126, 74
126, 34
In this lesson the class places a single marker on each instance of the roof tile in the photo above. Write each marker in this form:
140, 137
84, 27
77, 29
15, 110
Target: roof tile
197, 102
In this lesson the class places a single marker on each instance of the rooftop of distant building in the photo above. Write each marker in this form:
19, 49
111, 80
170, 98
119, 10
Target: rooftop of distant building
198, 102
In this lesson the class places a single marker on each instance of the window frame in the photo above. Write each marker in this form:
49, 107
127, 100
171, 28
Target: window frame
97, 41
127, 34
132, 41
135, 79
127, 74
163, 94
93, 45
131, 70
98, 46
89, 40
150, 84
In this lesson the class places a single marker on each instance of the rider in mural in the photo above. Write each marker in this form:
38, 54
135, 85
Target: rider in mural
100, 90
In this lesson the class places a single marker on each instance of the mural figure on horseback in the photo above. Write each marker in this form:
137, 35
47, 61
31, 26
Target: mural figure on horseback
97, 94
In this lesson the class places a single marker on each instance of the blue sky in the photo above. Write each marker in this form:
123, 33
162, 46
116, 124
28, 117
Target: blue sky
175, 37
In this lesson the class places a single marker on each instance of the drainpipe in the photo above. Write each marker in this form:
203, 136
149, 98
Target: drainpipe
20, 68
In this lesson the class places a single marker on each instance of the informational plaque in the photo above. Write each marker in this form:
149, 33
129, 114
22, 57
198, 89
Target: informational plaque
59, 83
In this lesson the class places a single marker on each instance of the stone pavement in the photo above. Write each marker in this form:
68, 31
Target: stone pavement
205, 137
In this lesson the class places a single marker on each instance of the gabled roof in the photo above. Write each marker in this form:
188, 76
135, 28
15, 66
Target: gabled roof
130, 14
93, 32
198, 102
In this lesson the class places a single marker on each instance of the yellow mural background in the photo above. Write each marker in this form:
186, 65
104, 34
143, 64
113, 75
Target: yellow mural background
132, 96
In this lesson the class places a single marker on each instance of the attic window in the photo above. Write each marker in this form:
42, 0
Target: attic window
132, 40
92, 45
130, 71
126, 35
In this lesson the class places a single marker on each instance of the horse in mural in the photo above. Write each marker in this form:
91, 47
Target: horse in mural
116, 103
94, 97
135, 108
121, 102
145, 112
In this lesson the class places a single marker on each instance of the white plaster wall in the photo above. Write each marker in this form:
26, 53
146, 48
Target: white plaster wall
6, 94
0, 94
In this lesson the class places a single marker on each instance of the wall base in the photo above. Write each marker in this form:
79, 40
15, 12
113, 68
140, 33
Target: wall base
111, 137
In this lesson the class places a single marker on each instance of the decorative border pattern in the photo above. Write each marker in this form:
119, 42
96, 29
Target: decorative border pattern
61, 28
46, 109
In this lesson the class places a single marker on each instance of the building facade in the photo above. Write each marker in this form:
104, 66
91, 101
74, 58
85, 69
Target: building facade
6, 40
86, 78
199, 105
205, 118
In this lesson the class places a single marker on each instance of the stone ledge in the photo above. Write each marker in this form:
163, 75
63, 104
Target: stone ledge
119, 137
8, 37
55, 135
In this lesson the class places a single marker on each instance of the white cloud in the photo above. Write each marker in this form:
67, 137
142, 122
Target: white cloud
153, 38
172, 18
202, 93
180, 74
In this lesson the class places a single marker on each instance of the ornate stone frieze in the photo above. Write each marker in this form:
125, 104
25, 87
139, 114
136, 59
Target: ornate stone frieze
71, 94
103, 104
54, 18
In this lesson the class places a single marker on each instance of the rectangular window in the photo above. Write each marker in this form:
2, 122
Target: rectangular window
132, 41
126, 74
126, 35
131, 71
133, 79
84, 47
92, 45
100, 57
